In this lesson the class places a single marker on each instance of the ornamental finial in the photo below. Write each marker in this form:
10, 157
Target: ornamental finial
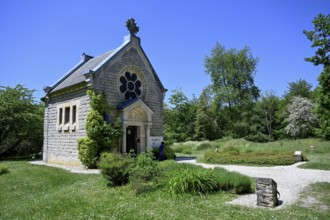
131, 26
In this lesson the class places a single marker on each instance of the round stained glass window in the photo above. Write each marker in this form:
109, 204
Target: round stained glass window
130, 86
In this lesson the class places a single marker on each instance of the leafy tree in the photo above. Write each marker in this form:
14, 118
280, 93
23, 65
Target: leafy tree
320, 38
206, 126
232, 73
21, 122
179, 117
299, 88
301, 120
267, 109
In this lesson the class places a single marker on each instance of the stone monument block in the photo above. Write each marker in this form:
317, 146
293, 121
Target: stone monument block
266, 189
298, 155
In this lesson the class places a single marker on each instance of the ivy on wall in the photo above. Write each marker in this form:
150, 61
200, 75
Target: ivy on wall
102, 136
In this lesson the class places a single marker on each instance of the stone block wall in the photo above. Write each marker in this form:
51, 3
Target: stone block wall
61, 147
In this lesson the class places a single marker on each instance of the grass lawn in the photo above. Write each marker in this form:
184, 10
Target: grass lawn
318, 156
39, 192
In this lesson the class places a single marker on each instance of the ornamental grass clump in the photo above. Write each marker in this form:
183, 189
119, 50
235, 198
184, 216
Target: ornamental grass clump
192, 179
232, 181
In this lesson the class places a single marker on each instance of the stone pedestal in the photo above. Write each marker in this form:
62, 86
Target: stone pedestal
266, 189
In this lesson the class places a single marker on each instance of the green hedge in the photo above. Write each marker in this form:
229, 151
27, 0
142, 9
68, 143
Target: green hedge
251, 158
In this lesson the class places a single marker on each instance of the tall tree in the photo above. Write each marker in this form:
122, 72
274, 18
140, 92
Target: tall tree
320, 38
21, 121
206, 125
267, 109
232, 73
179, 117
299, 88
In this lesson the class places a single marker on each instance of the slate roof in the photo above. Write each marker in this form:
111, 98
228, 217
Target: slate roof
76, 75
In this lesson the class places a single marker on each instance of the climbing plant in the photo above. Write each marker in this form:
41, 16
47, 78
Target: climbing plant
102, 135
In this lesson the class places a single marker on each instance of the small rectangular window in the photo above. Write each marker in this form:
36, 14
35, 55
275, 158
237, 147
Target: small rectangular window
74, 114
60, 115
67, 115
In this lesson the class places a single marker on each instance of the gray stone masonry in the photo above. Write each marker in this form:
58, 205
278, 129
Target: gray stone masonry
108, 82
266, 189
62, 147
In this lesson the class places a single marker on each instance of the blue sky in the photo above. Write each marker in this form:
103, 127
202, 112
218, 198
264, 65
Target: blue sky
41, 40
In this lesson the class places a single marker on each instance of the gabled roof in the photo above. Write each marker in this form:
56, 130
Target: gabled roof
88, 64
91, 64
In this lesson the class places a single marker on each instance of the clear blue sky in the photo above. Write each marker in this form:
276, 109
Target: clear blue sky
41, 40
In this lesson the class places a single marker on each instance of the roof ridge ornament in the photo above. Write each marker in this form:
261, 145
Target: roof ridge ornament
131, 26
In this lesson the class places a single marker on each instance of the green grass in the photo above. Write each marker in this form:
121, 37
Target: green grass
39, 192
318, 156
314, 197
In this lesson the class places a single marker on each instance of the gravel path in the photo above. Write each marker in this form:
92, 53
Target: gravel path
291, 180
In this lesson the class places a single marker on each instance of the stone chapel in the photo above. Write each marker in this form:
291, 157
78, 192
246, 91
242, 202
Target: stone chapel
130, 83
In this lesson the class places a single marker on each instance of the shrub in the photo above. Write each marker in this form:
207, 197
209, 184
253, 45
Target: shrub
146, 175
253, 158
101, 135
168, 153
116, 168
259, 137
3, 169
87, 149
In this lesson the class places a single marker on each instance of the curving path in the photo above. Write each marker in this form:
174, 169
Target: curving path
291, 180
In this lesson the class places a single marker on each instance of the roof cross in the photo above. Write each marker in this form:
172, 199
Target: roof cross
131, 26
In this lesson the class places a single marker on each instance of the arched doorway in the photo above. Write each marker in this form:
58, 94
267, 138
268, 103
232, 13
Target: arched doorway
137, 121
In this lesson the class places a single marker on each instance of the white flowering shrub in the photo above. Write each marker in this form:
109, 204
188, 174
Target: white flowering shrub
301, 120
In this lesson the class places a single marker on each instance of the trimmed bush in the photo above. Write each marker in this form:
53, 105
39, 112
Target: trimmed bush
116, 168
253, 158
168, 153
87, 149
3, 169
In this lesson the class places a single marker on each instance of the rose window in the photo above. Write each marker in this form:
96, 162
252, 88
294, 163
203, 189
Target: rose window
130, 86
